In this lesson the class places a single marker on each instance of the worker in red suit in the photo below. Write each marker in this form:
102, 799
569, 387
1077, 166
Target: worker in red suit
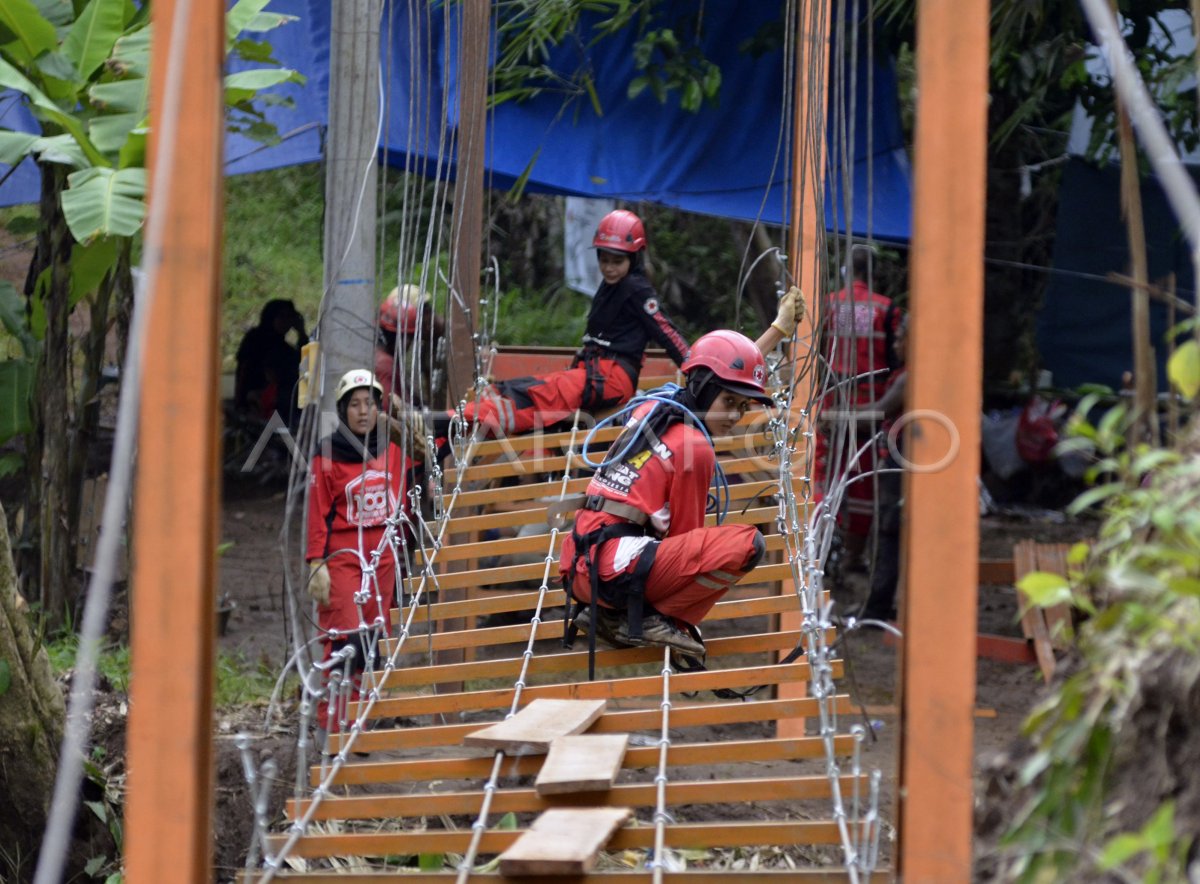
405, 344
357, 481
624, 318
639, 555
860, 328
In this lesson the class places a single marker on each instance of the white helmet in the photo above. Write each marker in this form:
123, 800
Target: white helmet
352, 380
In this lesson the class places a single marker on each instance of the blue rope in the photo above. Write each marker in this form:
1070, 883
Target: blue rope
664, 395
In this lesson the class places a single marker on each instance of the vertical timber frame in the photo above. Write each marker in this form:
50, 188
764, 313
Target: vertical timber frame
467, 221
806, 241
168, 813
938, 614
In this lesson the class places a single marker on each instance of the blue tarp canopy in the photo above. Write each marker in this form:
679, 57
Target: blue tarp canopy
731, 159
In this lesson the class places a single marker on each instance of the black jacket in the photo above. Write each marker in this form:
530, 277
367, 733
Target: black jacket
626, 316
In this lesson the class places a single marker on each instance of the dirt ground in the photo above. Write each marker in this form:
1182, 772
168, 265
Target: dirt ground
250, 575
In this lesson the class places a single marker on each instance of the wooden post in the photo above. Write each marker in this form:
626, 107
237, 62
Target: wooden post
168, 813
938, 615
467, 223
806, 243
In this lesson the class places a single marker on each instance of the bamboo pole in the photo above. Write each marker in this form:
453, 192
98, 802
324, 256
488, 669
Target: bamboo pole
938, 611
1145, 426
168, 813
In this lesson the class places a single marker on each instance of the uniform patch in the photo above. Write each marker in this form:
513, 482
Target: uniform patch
651, 305
760, 374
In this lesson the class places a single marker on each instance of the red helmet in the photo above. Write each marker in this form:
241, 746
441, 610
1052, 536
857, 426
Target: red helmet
735, 361
620, 231
397, 314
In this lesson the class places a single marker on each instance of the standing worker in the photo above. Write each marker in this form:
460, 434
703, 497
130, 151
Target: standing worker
357, 482
858, 347
405, 344
639, 554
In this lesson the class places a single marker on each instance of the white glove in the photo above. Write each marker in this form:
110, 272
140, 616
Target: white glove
791, 311
318, 582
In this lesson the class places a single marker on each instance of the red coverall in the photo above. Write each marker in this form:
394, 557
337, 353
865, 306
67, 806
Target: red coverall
693, 566
344, 493
858, 343
623, 318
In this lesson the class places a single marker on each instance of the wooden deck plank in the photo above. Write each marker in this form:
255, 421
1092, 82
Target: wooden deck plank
1053, 558
542, 544
525, 800
563, 841
489, 636
577, 661
536, 726
610, 722
679, 835
502, 576
582, 763
1033, 619
536, 512
678, 755
608, 689
737, 466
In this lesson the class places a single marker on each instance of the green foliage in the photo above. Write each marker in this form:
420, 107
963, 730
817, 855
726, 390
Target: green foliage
524, 317
666, 53
272, 246
238, 681
241, 682
1138, 582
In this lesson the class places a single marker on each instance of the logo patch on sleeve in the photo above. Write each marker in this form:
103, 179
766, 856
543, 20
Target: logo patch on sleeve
651, 305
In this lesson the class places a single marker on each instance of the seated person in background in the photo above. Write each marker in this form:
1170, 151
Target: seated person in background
640, 557
268, 365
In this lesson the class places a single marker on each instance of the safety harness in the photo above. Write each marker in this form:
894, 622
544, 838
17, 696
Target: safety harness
627, 592
589, 356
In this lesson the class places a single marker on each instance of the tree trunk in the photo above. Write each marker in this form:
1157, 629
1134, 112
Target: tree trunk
49, 526
32, 715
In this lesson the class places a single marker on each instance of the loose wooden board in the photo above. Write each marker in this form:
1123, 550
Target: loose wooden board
533, 728
582, 763
563, 841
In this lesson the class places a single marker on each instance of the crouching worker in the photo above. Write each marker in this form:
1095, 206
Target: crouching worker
640, 564
357, 482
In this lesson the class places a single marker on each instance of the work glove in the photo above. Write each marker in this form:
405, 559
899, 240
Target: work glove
791, 311
401, 423
318, 582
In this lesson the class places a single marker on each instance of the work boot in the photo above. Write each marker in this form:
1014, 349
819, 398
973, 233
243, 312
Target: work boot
661, 631
606, 629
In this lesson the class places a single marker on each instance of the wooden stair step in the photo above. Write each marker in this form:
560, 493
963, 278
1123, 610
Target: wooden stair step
563, 841
538, 724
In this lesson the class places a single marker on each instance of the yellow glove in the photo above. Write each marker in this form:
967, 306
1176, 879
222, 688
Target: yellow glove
791, 311
401, 422
318, 582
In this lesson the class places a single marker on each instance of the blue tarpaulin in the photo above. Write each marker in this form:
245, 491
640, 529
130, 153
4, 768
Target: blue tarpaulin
730, 159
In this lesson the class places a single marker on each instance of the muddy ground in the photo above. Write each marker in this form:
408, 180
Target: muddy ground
250, 575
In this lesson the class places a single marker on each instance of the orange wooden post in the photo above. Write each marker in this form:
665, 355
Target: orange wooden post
937, 661
806, 246
168, 813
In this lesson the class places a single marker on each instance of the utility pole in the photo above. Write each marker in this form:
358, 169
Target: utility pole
467, 220
347, 322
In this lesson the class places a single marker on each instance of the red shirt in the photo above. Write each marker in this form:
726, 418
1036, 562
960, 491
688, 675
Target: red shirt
858, 340
346, 494
669, 482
